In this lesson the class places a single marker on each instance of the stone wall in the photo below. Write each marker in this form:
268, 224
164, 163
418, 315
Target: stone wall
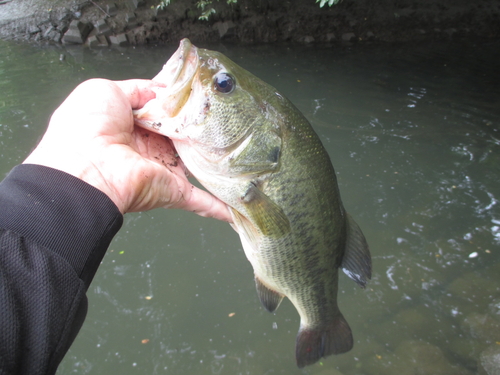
103, 22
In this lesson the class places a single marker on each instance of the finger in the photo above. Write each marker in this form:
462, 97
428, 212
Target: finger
205, 204
138, 91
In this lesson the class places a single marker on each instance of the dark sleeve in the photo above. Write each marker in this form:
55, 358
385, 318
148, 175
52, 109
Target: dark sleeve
54, 232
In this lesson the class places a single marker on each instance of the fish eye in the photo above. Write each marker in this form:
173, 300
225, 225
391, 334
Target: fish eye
224, 83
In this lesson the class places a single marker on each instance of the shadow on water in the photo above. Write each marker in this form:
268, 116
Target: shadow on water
413, 132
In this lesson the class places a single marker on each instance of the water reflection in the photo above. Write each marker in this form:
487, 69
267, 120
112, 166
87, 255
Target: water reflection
413, 135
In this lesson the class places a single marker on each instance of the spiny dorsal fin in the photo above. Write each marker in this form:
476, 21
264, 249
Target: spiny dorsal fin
357, 261
269, 298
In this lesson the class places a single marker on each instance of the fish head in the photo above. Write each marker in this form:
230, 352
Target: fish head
207, 101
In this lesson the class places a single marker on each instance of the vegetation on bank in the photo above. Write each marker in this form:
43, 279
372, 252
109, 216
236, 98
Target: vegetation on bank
205, 10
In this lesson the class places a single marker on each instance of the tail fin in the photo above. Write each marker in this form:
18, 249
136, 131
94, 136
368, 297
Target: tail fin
322, 341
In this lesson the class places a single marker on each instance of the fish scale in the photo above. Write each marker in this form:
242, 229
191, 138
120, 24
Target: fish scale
256, 152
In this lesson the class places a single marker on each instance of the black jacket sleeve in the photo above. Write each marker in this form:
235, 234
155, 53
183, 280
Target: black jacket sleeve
54, 232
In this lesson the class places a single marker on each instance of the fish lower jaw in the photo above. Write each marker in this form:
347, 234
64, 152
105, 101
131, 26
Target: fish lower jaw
168, 126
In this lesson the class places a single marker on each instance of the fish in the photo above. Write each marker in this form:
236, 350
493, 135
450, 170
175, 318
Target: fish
249, 146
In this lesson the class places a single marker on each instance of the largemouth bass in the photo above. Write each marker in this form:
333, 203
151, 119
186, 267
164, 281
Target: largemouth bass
251, 148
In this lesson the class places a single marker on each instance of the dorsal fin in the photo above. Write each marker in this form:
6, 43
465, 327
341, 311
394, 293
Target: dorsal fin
357, 261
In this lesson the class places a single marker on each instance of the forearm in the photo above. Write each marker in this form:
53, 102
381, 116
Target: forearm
55, 229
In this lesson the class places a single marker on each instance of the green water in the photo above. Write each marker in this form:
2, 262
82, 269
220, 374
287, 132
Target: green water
413, 132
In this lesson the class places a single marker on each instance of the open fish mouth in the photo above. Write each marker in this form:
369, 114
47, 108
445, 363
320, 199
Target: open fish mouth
177, 74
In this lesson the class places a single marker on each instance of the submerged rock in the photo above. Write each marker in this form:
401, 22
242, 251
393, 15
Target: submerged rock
416, 358
475, 291
482, 327
490, 361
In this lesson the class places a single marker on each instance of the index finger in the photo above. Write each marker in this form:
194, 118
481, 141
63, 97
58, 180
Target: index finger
138, 91
205, 204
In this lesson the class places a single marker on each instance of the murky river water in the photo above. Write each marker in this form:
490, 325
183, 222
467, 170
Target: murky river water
413, 133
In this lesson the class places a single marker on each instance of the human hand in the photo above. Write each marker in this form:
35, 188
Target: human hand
92, 136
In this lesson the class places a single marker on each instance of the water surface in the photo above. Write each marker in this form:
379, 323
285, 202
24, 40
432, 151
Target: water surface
413, 132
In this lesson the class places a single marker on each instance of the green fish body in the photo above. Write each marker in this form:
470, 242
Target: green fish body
251, 148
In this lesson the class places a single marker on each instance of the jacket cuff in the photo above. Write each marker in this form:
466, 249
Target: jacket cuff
61, 212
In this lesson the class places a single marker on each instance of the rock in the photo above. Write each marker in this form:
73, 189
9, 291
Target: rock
77, 32
92, 33
136, 3
425, 358
64, 16
489, 361
330, 37
348, 37
467, 350
33, 29
102, 28
97, 41
103, 42
475, 291
72, 36
494, 307
131, 20
63, 26
482, 327
420, 321
112, 10
414, 357
47, 32
118, 40
131, 37
370, 35
308, 39
92, 41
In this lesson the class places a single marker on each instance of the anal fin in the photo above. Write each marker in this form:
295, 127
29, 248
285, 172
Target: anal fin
315, 342
357, 261
269, 298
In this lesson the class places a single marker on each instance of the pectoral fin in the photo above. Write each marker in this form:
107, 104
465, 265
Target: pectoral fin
357, 261
266, 214
248, 234
269, 298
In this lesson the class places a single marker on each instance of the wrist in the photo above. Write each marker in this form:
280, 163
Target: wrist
79, 167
